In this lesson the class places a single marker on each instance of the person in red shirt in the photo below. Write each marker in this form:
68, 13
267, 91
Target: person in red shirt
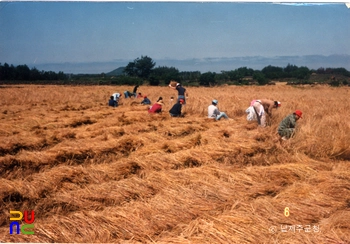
157, 107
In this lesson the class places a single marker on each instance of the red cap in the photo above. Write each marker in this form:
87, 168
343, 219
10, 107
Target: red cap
181, 100
145, 97
299, 113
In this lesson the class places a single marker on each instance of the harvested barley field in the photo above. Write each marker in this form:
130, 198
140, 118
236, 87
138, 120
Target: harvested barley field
94, 173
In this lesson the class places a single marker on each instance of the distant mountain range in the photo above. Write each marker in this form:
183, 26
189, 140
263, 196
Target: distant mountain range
205, 64
116, 72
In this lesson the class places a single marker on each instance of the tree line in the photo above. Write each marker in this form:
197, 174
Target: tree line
24, 73
143, 71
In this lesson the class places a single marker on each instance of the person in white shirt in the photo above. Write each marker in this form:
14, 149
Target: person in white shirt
116, 96
263, 107
214, 112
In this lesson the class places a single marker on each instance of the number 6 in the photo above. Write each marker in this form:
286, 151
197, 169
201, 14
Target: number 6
286, 211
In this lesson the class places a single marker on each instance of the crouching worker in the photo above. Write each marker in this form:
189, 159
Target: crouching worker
145, 101
286, 128
263, 107
175, 111
157, 107
128, 94
112, 102
116, 96
214, 112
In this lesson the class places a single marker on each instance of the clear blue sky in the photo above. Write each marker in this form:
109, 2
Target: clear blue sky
35, 33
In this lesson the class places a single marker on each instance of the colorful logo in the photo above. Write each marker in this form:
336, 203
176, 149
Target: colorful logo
24, 228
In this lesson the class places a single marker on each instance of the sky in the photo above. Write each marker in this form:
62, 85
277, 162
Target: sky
95, 37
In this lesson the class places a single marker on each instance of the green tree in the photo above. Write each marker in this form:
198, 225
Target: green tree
22, 72
189, 76
341, 71
260, 77
61, 76
165, 74
236, 75
144, 66
302, 73
207, 79
141, 67
35, 74
289, 70
153, 80
272, 72
244, 71
233, 75
320, 70
8, 72
130, 69
221, 78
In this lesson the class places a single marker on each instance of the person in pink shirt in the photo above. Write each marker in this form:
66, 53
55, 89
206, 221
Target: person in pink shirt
157, 107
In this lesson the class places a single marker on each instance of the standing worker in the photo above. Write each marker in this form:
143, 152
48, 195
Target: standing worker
286, 128
135, 90
263, 107
180, 90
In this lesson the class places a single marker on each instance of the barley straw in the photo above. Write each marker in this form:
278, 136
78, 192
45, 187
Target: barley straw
93, 173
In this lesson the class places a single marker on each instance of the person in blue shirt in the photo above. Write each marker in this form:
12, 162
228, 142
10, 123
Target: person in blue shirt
180, 92
112, 102
145, 101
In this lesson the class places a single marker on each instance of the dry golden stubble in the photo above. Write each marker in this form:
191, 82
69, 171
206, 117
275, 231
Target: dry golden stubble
99, 174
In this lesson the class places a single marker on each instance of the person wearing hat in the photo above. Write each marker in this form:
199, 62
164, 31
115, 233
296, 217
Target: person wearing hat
175, 111
287, 126
145, 101
263, 107
157, 107
214, 112
180, 92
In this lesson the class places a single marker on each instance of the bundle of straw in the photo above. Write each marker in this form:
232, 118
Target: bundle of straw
173, 83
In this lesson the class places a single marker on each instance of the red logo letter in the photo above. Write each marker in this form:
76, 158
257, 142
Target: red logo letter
31, 217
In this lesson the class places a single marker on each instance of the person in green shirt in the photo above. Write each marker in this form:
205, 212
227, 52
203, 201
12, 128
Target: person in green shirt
287, 126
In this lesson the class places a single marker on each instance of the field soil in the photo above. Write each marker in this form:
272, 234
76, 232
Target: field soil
94, 173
